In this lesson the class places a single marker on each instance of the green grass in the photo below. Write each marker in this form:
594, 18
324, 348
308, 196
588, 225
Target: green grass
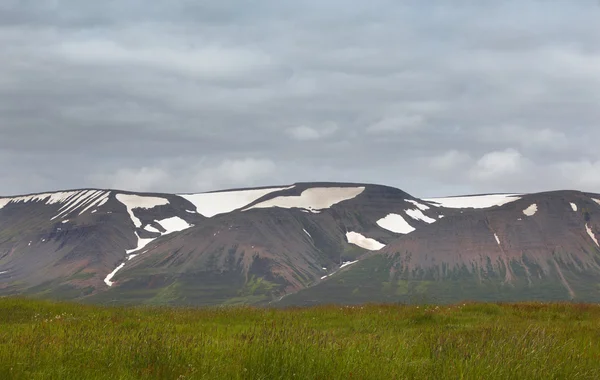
45, 340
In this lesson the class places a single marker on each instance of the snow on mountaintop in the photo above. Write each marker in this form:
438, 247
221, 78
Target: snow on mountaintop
531, 210
211, 204
395, 223
363, 242
136, 201
475, 201
73, 200
84, 201
313, 199
47, 198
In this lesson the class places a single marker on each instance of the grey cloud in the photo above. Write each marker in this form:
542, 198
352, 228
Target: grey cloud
432, 98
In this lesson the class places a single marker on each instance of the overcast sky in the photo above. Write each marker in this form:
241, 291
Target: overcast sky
433, 97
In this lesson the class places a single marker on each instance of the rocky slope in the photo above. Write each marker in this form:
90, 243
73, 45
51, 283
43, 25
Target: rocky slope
300, 244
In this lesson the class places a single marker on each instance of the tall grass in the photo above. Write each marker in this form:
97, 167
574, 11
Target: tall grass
44, 340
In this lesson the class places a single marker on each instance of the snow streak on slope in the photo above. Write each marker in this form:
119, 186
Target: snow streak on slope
591, 233
211, 204
573, 206
108, 278
136, 201
363, 242
47, 198
313, 199
395, 223
475, 201
84, 201
98, 202
531, 210
418, 215
173, 224
497, 238
344, 264
71, 200
142, 242
420, 206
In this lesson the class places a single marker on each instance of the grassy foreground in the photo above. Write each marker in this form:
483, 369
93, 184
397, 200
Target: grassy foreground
43, 340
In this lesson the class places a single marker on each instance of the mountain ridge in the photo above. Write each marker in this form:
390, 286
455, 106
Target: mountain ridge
258, 245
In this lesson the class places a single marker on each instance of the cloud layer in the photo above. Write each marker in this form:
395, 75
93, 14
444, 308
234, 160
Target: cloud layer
185, 96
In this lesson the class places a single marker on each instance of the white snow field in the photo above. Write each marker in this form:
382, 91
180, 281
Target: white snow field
573, 206
531, 210
211, 204
395, 223
591, 233
363, 242
313, 199
475, 201
136, 201
418, 215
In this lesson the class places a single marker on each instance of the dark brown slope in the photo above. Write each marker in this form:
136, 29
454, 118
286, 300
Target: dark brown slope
284, 249
65, 249
546, 256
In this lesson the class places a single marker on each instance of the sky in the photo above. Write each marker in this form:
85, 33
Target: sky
435, 98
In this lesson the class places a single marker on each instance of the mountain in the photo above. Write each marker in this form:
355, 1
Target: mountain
302, 244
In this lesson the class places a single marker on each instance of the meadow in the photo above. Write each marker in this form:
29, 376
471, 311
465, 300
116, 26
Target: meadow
47, 340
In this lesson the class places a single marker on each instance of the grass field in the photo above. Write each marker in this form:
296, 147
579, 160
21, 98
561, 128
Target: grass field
44, 340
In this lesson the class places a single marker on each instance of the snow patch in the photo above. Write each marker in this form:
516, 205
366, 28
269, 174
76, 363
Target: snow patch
4, 272
596, 200
420, 206
395, 223
306, 232
497, 238
136, 201
441, 216
531, 210
174, 224
418, 215
142, 242
65, 221
110, 276
313, 199
211, 204
573, 206
475, 201
149, 228
363, 242
591, 233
